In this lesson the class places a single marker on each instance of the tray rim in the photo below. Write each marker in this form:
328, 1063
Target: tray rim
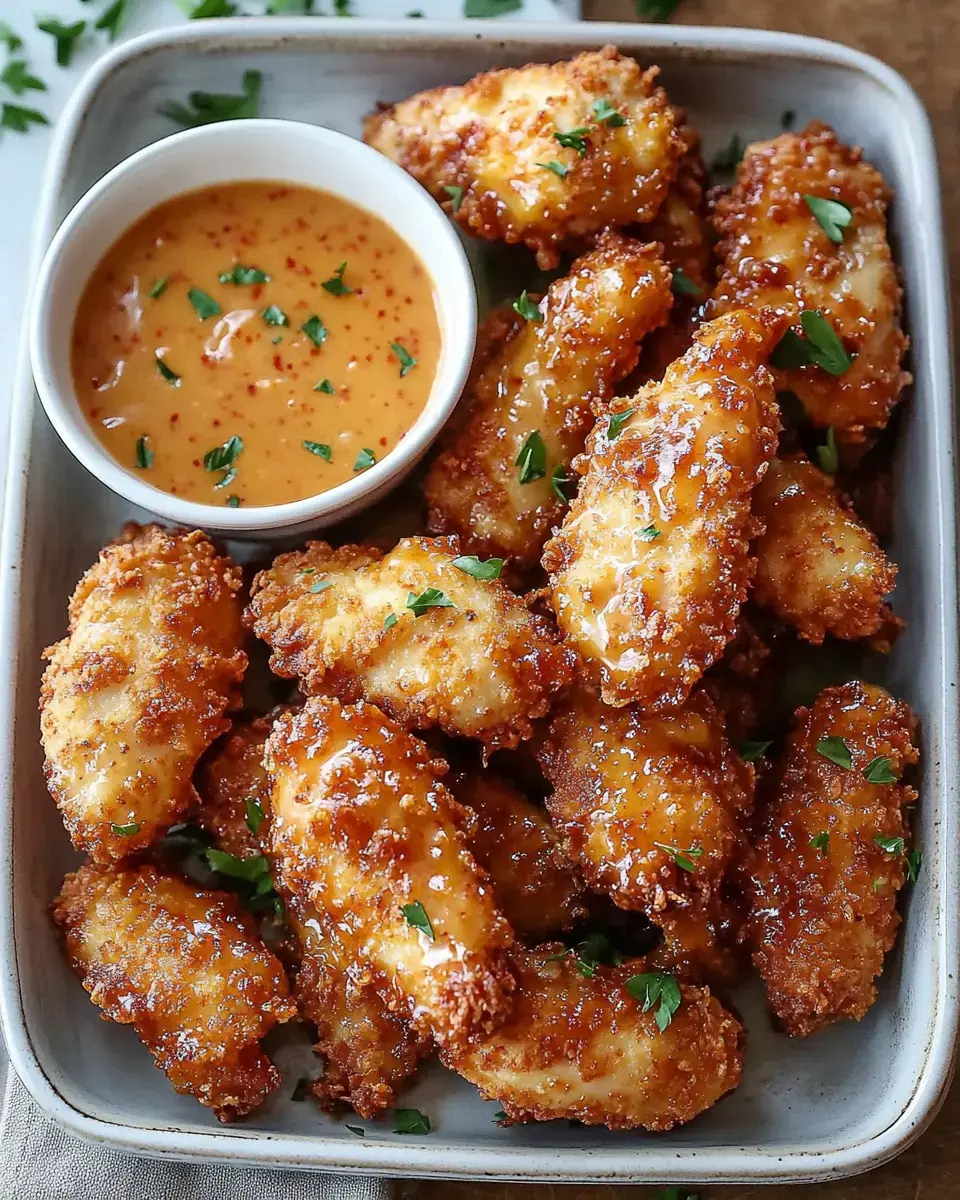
654, 1163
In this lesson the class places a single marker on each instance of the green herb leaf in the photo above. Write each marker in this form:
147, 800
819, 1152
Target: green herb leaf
416, 916
649, 533
244, 276
212, 8
320, 586
411, 1120
253, 870
168, 373
407, 361
914, 860
203, 108
144, 458
431, 598
389, 621
65, 37
500, 1116
828, 456
655, 11
532, 459
790, 352
233, 502
315, 330
832, 216
203, 305
683, 858
326, 387
159, 287
227, 479
335, 285
751, 751
527, 308
19, 119
825, 347
836, 750
556, 167
456, 197
653, 986
683, 285
301, 1091
112, 18
356, 1129
490, 8
275, 315
255, 814
617, 422
9, 38
18, 79
574, 139
593, 951
223, 456
558, 481
892, 845
365, 460
726, 161
879, 770
469, 564
821, 842
320, 449
604, 112
125, 830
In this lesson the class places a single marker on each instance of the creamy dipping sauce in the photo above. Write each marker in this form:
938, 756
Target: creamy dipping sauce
254, 344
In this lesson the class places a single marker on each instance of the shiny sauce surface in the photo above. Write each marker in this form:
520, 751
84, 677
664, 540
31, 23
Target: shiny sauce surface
255, 343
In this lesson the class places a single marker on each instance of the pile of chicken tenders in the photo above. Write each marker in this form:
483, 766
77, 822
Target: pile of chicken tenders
519, 809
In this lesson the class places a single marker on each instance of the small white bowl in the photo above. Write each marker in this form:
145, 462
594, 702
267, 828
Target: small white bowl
249, 150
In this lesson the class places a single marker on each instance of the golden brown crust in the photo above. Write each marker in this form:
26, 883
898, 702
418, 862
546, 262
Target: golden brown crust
543, 381
486, 668
623, 782
738, 683
492, 136
186, 968
823, 915
537, 888
584, 1049
652, 563
774, 254
360, 826
819, 568
137, 690
700, 944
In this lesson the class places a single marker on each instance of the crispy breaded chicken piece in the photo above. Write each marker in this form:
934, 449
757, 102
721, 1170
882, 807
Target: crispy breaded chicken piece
699, 944
493, 142
584, 1049
822, 891
537, 888
652, 563
137, 690
530, 400
363, 831
775, 254
369, 1049
468, 656
651, 808
819, 568
185, 967
737, 684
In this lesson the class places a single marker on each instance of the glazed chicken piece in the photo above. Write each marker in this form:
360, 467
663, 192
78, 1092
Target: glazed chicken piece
739, 683
542, 154
363, 832
536, 886
776, 253
585, 1049
700, 944
819, 568
650, 808
652, 562
499, 482
186, 968
831, 857
137, 690
412, 632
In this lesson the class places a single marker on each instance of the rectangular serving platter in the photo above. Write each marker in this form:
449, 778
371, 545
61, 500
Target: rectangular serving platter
846, 1100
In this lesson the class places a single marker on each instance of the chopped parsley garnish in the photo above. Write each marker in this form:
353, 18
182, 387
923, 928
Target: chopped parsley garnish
233, 501
574, 139
358, 1130
682, 858
500, 1116
821, 346
527, 308
389, 621
469, 564
242, 276
223, 456
836, 750
335, 285
320, 449
617, 422
11, 40
416, 918
19, 119
649, 533
203, 305
431, 598
653, 986
168, 373
828, 456
892, 845
251, 874
159, 287
125, 830
556, 167
365, 459
879, 770
821, 843
16, 76
558, 481
320, 586
65, 37
683, 285
532, 459
726, 161
315, 330
110, 20
301, 1091
832, 216
274, 315
326, 387
604, 112
751, 751
227, 479
593, 951
255, 815
407, 361
411, 1120
144, 458
490, 8
204, 108
655, 11
456, 197
914, 859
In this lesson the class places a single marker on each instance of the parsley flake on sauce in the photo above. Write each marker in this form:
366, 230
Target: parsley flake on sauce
574, 139
168, 373
820, 346
431, 598
821, 843
223, 456
655, 986
617, 422
532, 459
125, 830
682, 858
326, 387
335, 285
389, 621
649, 533
892, 845
471, 565
407, 361
365, 460
833, 216
527, 308
879, 770
255, 815
159, 287
274, 315
144, 455
233, 501
204, 108
242, 276
558, 481
203, 305
593, 951
456, 197
315, 330
557, 168
836, 750
604, 112
320, 449
416, 917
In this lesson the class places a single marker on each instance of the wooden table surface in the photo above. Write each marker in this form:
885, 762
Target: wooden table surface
922, 41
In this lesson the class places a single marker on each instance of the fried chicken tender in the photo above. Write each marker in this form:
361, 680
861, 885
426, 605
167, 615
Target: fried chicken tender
537, 380
537, 888
362, 831
819, 568
185, 967
699, 944
652, 563
137, 690
822, 890
775, 254
584, 1049
494, 141
649, 807
476, 662
737, 683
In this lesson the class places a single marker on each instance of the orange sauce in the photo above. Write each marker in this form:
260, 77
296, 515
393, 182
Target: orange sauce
225, 318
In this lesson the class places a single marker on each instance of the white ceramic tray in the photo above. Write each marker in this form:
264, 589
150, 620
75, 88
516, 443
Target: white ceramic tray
845, 1100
